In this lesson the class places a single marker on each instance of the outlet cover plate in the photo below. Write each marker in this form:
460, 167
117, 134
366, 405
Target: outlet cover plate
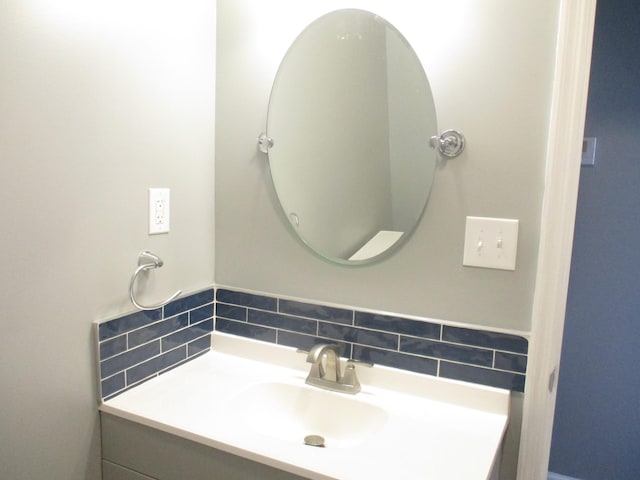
159, 211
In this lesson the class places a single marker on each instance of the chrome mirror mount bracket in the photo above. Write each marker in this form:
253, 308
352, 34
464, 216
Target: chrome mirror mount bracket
450, 143
264, 143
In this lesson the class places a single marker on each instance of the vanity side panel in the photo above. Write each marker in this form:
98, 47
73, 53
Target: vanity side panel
163, 456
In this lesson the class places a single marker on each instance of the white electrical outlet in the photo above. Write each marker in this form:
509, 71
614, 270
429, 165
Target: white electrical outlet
159, 210
491, 243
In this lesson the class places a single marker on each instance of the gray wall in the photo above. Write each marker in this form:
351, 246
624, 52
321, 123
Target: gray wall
596, 433
491, 74
98, 102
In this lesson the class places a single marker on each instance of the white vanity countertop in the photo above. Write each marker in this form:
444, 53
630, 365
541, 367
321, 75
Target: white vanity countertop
436, 429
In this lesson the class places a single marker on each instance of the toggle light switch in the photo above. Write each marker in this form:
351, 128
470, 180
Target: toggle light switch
159, 210
491, 243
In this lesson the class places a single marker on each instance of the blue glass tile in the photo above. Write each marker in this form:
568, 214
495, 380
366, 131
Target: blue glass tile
198, 346
358, 335
112, 347
112, 384
155, 365
447, 351
232, 312
482, 376
319, 312
157, 330
412, 363
479, 338
128, 359
187, 335
286, 322
247, 299
400, 325
187, 303
511, 361
298, 340
129, 322
306, 342
201, 313
246, 330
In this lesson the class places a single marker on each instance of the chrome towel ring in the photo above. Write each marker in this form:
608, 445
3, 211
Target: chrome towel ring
148, 261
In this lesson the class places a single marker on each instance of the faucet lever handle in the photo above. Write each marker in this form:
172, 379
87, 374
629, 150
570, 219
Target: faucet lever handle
350, 378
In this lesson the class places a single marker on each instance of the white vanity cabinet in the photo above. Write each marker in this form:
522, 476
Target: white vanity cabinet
131, 451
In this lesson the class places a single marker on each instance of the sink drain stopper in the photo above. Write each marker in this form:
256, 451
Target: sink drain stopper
314, 441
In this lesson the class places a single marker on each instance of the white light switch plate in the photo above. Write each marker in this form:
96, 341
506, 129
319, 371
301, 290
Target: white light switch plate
159, 210
491, 243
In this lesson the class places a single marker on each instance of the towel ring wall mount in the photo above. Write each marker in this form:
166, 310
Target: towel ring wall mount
148, 261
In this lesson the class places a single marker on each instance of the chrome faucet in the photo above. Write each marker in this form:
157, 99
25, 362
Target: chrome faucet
327, 374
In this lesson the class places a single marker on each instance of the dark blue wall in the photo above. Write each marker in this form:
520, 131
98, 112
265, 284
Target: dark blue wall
596, 432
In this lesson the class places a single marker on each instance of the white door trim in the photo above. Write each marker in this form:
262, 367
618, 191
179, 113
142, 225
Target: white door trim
566, 131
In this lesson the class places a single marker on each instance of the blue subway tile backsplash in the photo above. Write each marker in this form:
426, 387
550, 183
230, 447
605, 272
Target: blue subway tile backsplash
413, 363
283, 322
157, 330
487, 339
389, 323
467, 354
244, 329
248, 299
318, 312
511, 361
127, 323
156, 364
447, 351
139, 346
191, 302
360, 336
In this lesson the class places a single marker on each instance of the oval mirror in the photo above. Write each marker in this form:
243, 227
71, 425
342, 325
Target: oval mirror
350, 116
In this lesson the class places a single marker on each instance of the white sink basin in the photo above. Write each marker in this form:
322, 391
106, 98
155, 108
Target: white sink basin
293, 412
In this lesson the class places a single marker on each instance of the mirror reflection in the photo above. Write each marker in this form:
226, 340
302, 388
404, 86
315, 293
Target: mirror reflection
350, 115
